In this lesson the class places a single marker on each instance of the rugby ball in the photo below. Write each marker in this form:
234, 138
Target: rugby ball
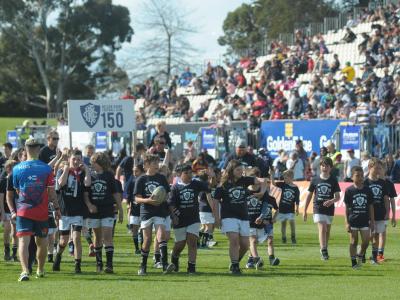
159, 194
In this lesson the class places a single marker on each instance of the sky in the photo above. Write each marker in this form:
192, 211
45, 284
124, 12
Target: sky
207, 15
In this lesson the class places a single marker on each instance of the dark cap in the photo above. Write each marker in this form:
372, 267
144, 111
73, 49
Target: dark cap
350, 150
31, 142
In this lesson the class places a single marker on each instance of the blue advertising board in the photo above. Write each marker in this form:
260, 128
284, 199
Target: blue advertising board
12, 137
350, 137
101, 141
277, 135
208, 138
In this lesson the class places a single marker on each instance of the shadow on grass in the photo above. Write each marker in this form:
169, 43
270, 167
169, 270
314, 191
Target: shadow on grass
180, 277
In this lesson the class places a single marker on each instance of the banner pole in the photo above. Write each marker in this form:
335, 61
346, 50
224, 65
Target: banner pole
70, 138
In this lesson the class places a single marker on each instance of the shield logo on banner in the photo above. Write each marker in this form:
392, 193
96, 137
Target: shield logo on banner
90, 114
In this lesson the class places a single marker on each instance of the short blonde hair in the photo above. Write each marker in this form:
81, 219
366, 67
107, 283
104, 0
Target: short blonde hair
374, 162
160, 124
10, 164
51, 134
288, 173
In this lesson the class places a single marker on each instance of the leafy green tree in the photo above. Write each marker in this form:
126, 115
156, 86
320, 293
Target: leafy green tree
72, 54
246, 26
241, 29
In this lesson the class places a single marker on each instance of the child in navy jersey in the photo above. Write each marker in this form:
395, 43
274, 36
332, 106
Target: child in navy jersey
326, 191
359, 217
288, 204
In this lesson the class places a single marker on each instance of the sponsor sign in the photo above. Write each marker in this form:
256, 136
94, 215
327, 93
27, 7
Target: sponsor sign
350, 137
101, 141
101, 116
276, 135
208, 138
12, 137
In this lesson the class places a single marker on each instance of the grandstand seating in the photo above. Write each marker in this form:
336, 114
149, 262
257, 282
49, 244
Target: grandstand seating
347, 52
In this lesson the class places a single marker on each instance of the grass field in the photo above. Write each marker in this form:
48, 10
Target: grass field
10, 123
301, 275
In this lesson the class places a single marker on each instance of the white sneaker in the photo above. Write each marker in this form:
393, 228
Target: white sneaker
23, 277
250, 266
211, 243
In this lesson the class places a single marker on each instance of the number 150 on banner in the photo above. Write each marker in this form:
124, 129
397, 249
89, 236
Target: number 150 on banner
97, 116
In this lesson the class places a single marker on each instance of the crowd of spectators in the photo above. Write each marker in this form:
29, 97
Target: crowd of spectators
274, 91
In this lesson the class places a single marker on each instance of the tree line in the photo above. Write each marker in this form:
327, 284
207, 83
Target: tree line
53, 50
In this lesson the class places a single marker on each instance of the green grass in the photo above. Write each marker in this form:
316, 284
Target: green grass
301, 275
10, 123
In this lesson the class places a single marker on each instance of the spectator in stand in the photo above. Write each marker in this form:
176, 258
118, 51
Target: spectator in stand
240, 79
186, 77
388, 113
315, 167
321, 65
351, 22
363, 114
161, 132
389, 164
128, 94
363, 45
369, 59
349, 37
335, 64
395, 173
348, 72
260, 98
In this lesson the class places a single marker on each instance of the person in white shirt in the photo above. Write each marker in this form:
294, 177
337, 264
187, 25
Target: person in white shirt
296, 165
315, 168
349, 163
364, 162
279, 164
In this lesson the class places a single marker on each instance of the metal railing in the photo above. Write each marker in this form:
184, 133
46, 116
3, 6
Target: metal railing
380, 140
327, 24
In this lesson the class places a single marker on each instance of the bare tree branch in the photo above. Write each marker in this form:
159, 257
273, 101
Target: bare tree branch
168, 43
